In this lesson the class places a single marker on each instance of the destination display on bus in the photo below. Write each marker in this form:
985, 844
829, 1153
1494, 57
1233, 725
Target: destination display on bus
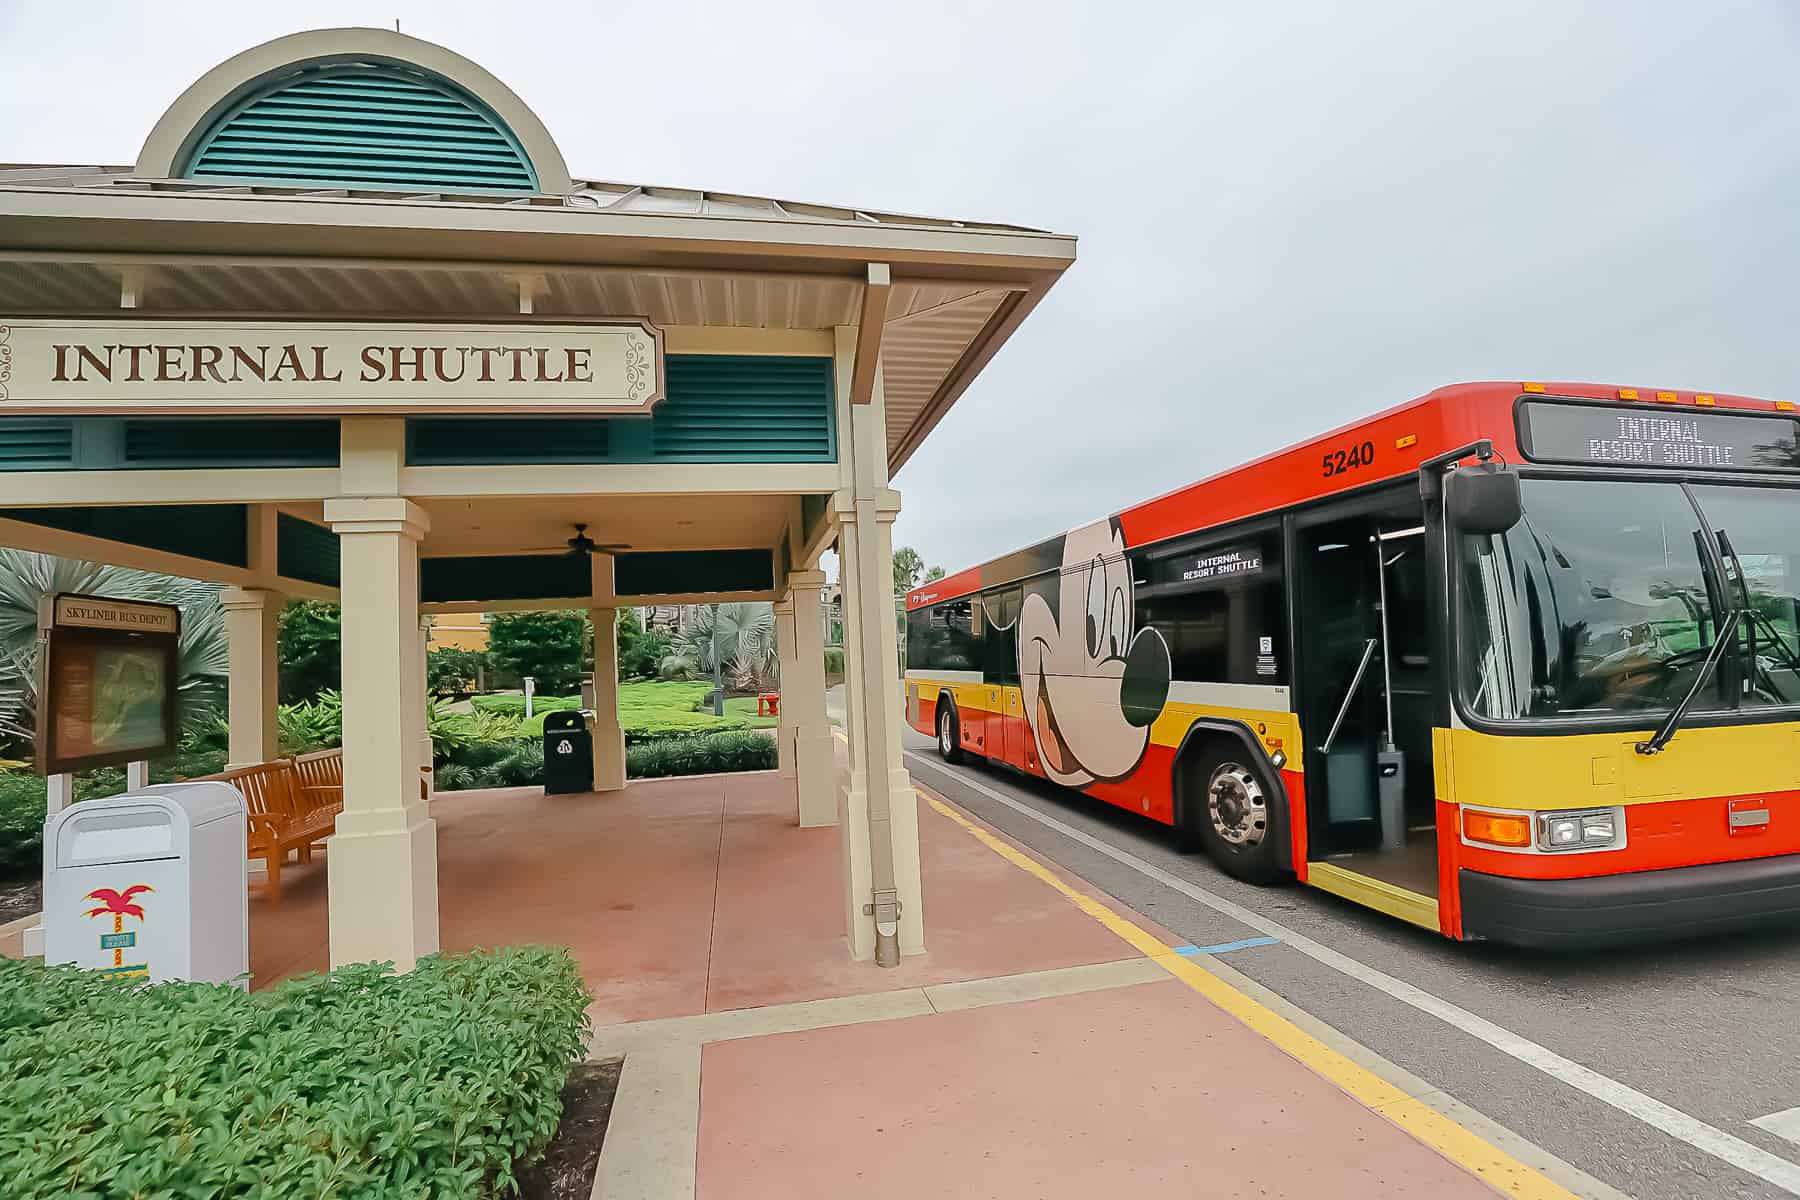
1614, 435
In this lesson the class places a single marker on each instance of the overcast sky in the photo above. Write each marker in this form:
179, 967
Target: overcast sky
1290, 215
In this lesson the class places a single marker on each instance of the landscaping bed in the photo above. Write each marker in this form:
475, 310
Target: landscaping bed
566, 1172
446, 1081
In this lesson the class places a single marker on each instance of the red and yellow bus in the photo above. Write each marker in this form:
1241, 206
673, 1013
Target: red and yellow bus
1509, 661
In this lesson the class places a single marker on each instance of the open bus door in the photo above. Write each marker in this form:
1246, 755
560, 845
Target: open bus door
1367, 684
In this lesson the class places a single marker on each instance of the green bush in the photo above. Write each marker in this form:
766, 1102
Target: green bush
730, 751
441, 1082
834, 660
22, 801
21, 824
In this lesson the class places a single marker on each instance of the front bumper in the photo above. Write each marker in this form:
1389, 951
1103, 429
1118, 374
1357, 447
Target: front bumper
1639, 906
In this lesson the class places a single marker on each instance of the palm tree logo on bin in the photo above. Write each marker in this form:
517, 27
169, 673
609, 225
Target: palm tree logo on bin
119, 905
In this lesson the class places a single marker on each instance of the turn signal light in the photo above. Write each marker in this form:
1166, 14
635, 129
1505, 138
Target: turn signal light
1497, 829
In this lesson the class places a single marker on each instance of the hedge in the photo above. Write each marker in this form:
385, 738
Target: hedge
733, 751
22, 803
441, 1082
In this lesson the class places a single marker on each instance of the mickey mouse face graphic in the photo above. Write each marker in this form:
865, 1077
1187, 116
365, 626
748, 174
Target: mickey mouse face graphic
1092, 684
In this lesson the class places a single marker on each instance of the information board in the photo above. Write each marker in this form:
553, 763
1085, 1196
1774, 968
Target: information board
1637, 435
107, 677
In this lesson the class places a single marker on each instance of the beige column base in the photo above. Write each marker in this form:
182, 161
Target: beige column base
609, 757
904, 829
815, 770
383, 877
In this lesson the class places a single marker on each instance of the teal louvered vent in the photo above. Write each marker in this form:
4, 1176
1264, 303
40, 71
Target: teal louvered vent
364, 124
36, 445
727, 408
718, 408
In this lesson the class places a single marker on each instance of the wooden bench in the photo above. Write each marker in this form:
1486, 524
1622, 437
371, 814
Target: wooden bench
321, 776
283, 817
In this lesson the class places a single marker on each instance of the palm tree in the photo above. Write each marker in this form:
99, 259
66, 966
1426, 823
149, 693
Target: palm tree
744, 648
27, 577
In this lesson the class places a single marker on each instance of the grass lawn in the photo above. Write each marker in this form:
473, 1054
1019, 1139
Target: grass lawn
645, 707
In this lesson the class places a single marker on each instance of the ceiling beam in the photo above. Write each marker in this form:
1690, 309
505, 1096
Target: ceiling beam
869, 329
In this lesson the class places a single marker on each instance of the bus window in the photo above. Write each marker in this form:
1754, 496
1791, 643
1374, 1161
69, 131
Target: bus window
943, 637
1221, 610
1000, 612
1762, 533
1595, 603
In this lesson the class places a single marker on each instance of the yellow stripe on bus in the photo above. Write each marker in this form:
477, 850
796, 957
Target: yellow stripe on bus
1601, 769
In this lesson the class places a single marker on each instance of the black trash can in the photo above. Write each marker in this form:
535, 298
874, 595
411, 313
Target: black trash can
568, 752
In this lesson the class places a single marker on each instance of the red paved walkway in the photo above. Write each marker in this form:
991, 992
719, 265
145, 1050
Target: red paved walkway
684, 896
695, 896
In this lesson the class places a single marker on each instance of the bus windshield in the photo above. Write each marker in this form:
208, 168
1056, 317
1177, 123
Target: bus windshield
1599, 601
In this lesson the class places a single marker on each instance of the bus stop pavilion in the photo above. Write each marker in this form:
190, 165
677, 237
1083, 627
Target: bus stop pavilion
233, 361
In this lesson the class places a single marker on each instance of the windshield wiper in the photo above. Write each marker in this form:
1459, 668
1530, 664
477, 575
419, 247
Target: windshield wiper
1727, 632
1726, 550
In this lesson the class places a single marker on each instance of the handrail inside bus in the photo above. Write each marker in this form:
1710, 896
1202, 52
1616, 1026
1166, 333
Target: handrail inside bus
1344, 709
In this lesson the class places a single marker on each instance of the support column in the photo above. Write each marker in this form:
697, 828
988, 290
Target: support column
609, 737
252, 619
383, 857
879, 815
803, 704
790, 671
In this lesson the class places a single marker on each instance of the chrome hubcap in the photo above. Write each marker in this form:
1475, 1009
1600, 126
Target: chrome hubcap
1237, 805
944, 734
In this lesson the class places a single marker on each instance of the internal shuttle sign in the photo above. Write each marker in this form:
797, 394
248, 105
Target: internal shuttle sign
175, 366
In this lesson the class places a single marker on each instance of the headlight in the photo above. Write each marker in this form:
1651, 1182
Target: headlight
1589, 829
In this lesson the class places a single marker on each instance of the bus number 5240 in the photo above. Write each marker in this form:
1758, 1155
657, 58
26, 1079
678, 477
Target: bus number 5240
1339, 461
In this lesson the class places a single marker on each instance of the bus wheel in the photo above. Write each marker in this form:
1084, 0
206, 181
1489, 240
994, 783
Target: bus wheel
949, 735
1236, 822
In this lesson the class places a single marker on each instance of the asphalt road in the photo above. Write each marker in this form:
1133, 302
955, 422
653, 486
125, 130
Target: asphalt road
1710, 1029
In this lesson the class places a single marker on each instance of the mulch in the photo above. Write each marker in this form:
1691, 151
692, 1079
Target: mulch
566, 1172
20, 898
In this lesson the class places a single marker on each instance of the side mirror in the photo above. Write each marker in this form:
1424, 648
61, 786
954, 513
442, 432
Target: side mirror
1482, 500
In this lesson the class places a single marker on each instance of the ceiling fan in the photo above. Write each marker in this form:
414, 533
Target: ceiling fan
580, 544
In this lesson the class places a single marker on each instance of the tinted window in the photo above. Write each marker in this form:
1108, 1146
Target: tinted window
944, 637
1221, 608
1001, 623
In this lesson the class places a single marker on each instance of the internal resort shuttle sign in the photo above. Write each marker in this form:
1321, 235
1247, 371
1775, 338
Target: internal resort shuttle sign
177, 366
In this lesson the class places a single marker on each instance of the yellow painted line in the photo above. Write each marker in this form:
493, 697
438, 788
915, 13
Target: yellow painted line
1486, 1161
1377, 894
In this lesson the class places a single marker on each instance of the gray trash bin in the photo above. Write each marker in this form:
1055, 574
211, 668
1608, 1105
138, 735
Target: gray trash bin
150, 885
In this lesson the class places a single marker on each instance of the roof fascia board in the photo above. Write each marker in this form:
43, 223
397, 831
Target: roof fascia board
280, 217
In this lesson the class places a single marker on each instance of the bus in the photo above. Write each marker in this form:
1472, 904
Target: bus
1512, 661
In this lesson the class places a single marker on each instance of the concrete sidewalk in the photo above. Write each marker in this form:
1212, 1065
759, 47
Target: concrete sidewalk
1052, 1043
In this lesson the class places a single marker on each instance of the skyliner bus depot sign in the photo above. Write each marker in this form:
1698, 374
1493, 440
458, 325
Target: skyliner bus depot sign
170, 366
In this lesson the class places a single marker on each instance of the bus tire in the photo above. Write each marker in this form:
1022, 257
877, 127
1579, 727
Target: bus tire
1233, 815
949, 732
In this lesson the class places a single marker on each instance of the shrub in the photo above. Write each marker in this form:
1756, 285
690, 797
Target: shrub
21, 824
316, 724
450, 671
22, 802
834, 660
730, 751
544, 645
523, 766
309, 638
675, 667
441, 1082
